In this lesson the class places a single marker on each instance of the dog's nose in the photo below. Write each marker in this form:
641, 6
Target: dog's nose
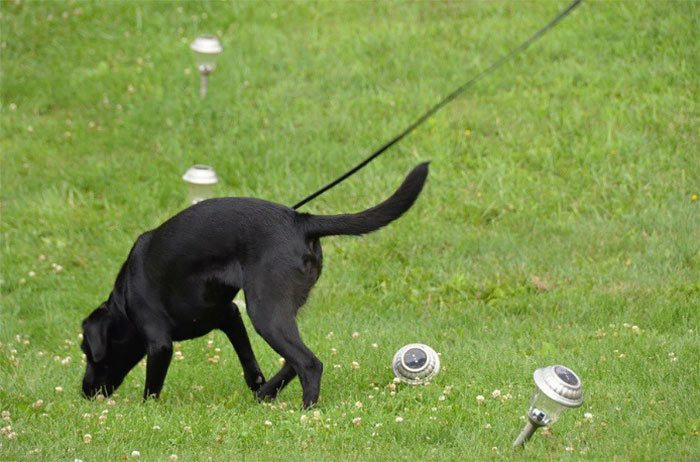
90, 389
89, 393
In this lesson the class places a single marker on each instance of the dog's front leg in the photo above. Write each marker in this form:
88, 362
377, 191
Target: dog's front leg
159, 354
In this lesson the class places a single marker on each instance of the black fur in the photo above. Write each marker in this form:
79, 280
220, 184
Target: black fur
180, 278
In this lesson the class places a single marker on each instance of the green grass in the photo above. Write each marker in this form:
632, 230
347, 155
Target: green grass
564, 216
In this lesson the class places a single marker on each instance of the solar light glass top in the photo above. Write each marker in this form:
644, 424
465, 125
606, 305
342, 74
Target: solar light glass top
206, 48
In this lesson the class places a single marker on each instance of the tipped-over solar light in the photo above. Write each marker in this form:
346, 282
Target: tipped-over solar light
557, 389
201, 180
206, 48
416, 364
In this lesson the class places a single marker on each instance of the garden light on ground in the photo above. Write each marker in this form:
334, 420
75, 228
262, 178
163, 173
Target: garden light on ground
205, 48
416, 364
201, 180
557, 388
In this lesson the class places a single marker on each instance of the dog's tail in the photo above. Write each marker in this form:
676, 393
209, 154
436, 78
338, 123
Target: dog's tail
372, 219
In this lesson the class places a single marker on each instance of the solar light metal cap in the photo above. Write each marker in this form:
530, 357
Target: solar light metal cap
207, 44
560, 384
416, 364
200, 174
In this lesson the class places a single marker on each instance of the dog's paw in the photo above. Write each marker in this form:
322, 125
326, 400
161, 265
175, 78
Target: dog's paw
255, 381
266, 394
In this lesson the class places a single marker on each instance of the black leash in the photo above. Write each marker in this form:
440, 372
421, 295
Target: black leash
442, 103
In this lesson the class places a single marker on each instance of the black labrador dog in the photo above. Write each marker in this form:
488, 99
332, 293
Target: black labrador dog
180, 279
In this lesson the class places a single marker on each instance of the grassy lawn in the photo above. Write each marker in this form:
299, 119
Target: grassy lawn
559, 225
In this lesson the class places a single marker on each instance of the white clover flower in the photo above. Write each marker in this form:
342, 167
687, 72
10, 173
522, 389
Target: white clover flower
375, 346
495, 393
87, 438
38, 403
135, 454
355, 335
268, 423
399, 419
173, 457
303, 418
355, 365
282, 361
588, 416
356, 421
480, 399
334, 351
359, 405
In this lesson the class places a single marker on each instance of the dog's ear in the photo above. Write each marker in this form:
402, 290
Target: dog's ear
95, 332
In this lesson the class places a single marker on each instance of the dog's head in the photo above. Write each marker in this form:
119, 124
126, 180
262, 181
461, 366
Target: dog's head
112, 348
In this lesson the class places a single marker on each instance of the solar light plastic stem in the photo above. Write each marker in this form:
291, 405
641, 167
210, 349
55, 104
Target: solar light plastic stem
528, 430
205, 85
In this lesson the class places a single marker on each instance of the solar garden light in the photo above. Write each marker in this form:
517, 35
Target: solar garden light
201, 180
557, 389
416, 364
206, 48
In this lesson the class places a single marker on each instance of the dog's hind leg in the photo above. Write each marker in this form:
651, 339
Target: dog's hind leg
273, 386
232, 326
276, 324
